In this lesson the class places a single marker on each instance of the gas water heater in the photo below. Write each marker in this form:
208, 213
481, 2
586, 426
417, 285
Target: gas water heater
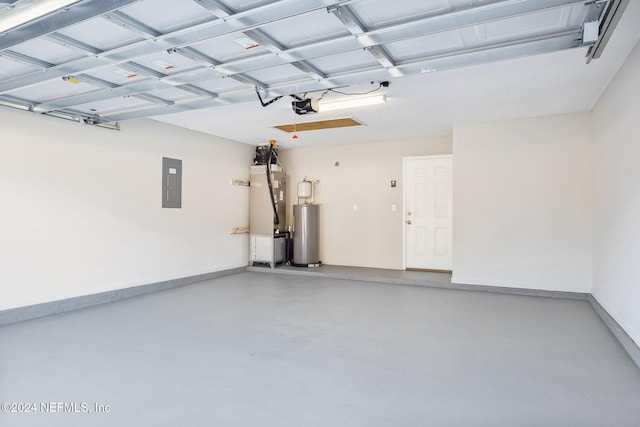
306, 252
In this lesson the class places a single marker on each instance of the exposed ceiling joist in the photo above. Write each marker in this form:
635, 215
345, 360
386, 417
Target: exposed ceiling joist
25, 59
132, 25
74, 15
448, 60
295, 47
262, 15
358, 29
74, 44
387, 34
263, 40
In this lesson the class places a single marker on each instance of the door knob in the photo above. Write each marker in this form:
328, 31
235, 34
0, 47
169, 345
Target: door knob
408, 222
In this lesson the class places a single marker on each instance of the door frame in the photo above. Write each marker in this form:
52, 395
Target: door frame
404, 198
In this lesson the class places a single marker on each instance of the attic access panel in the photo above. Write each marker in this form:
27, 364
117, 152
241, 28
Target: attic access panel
319, 125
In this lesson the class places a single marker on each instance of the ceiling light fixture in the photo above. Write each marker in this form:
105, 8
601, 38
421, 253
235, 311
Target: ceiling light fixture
28, 10
352, 103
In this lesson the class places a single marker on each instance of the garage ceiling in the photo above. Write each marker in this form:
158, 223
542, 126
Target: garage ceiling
202, 63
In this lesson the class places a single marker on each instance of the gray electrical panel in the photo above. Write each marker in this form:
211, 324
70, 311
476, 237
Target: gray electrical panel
171, 183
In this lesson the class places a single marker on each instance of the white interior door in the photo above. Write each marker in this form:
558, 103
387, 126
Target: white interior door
428, 186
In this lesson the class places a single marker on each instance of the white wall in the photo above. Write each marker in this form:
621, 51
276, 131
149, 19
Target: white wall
522, 203
617, 197
81, 207
372, 235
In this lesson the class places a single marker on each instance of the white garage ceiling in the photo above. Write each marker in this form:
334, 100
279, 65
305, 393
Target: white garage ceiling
199, 63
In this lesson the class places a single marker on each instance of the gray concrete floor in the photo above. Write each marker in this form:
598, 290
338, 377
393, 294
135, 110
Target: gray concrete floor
257, 349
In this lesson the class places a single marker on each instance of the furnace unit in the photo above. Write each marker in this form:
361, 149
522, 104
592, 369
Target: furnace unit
267, 212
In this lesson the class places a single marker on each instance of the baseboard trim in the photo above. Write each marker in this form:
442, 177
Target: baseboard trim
428, 283
526, 285
580, 296
621, 335
20, 314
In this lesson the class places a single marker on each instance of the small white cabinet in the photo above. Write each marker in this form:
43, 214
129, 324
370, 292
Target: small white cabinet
266, 249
